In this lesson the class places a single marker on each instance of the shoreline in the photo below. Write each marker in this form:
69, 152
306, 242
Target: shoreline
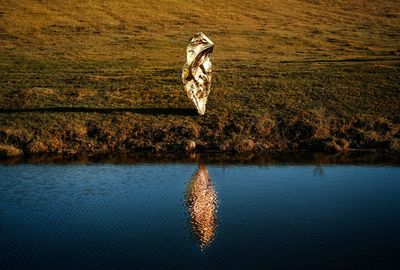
355, 157
126, 132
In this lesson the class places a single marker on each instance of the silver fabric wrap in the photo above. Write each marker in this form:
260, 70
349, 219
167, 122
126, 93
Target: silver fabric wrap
196, 74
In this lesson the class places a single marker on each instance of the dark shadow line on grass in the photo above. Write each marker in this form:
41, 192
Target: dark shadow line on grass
147, 111
351, 60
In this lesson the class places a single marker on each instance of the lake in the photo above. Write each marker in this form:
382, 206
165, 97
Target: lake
199, 216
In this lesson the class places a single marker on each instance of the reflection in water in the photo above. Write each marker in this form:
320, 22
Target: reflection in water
201, 201
318, 170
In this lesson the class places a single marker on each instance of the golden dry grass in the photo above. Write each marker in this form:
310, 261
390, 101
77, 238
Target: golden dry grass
288, 74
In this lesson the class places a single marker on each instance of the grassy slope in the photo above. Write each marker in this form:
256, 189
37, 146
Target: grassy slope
288, 74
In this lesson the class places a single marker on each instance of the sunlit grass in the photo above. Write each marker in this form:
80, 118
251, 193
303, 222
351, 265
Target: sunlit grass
287, 75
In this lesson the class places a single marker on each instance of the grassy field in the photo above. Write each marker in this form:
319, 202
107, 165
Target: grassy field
104, 76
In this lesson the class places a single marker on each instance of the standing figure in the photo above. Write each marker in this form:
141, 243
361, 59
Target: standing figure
196, 74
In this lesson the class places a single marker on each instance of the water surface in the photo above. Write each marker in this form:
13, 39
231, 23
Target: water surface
190, 216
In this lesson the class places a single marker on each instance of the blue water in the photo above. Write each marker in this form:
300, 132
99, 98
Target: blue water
181, 216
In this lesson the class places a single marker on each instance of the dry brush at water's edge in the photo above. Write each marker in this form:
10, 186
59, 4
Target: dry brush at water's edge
124, 133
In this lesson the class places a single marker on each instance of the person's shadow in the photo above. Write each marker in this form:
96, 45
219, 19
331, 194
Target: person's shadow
147, 111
